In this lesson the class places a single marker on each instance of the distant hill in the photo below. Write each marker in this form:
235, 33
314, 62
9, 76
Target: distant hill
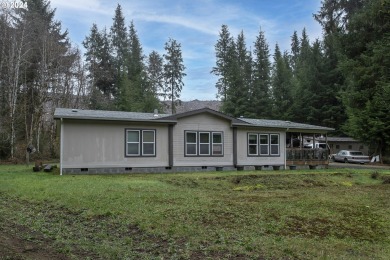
192, 105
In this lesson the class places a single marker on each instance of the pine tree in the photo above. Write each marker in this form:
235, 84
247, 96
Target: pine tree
281, 86
173, 71
223, 49
303, 83
239, 91
101, 68
295, 49
155, 73
365, 65
118, 36
260, 103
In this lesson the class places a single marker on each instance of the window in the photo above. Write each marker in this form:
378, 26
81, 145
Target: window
274, 144
133, 143
203, 143
217, 145
263, 144
140, 142
252, 144
148, 142
191, 143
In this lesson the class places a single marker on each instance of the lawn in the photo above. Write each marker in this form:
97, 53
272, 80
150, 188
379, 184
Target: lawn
322, 214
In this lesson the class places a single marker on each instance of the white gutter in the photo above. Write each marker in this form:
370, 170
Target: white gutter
61, 144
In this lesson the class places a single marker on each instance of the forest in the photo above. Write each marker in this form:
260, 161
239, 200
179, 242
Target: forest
341, 80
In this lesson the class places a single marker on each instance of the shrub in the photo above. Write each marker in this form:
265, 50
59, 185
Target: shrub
375, 175
386, 179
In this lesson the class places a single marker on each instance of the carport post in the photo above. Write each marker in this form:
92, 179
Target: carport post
61, 144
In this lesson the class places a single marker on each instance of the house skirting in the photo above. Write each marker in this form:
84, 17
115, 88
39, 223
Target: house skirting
175, 169
129, 170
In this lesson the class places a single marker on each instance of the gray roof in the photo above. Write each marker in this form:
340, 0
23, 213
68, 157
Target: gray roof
284, 124
67, 113
342, 139
105, 115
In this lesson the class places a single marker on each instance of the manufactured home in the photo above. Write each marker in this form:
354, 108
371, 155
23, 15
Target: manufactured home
100, 142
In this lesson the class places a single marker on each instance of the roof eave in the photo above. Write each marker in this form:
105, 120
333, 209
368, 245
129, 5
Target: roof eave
289, 129
116, 119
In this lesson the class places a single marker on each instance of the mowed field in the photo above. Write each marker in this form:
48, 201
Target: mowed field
316, 214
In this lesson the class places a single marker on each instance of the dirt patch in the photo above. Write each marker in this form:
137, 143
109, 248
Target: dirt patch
19, 242
44, 231
352, 226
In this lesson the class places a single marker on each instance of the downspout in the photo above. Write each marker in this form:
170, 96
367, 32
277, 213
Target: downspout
61, 144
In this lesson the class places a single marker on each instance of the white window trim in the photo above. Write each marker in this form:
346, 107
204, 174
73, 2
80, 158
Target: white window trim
270, 144
212, 143
198, 143
257, 144
208, 144
267, 144
154, 143
127, 142
140, 142
187, 143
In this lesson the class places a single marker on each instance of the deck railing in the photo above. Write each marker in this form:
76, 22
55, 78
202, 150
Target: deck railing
307, 156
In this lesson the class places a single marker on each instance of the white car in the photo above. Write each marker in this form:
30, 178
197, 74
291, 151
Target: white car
348, 156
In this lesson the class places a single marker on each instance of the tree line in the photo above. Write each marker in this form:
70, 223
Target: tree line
295, 86
340, 81
121, 77
40, 70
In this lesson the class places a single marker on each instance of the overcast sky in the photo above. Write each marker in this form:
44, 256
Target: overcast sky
195, 25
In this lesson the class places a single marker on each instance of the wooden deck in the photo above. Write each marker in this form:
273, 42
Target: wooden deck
307, 156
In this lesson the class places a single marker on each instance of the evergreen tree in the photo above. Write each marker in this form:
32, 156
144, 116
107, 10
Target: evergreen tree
281, 86
295, 49
223, 51
239, 91
155, 73
136, 58
173, 71
233, 80
366, 63
101, 68
136, 91
131, 82
118, 36
260, 103
48, 52
334, 111
304, 83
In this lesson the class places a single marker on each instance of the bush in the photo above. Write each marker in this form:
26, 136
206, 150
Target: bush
375, 175
386, 179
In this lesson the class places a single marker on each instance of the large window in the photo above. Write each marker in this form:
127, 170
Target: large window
202, 143
140, 142
263, 144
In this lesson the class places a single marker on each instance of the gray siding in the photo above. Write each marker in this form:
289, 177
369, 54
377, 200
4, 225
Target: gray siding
242, 148
202, 122
89, 144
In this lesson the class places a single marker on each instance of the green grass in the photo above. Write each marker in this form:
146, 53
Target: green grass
322, 214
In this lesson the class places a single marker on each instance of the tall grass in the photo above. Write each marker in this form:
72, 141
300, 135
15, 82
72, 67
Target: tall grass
329, 214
